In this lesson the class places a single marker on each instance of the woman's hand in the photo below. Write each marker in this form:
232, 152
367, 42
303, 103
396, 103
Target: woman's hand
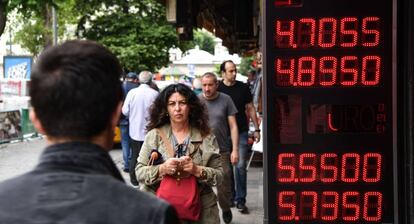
187, 165
169, 167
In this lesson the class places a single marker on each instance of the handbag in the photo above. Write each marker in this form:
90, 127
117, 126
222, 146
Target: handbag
181, 192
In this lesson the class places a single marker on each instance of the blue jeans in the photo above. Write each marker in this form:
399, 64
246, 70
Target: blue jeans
240, 170
125, 144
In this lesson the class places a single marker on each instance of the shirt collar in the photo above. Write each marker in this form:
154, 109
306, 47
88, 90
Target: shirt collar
82, 156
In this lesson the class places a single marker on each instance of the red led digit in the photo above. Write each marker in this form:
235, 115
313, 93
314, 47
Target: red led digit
329, 167
307, 167
306, 32
350, 167
286, 167
287, 205
370, 31
349, 32
372, 206
306, 71
371, 170
350, 206
287, 3
327, 71
381, 107
371, 68
285, 71
308, 205
349, 70
285, 34
283, 2
327, 32
329, 205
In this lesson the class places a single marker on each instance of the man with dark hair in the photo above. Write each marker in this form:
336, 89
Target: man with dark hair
76, 97
129, 83
222, 120
136, 108
242, 98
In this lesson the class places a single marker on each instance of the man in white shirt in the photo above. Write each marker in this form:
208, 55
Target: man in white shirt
136, 106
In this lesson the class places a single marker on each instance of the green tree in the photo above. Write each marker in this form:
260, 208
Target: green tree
31, 36
3, 15
138, 34
217, 70
40, 11
202, 38
135, 30
35, 17
246, 65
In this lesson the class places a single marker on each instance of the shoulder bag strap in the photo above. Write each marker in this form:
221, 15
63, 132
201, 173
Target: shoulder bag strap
167, 143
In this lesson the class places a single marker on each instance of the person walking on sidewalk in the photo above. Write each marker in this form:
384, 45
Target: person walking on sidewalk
76, 96
182, 118
242, 98
222, 119
136, 108
129, 83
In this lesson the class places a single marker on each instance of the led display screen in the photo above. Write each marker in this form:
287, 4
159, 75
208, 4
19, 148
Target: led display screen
346, 69
329, 86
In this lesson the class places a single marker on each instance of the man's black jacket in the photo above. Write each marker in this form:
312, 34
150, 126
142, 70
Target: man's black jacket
78, 183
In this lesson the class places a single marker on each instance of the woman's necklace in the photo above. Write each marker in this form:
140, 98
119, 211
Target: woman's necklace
181, 135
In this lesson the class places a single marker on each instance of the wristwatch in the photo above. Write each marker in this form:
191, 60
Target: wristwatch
203, 174
257, 130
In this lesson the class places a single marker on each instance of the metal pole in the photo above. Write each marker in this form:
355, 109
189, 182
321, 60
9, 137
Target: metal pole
54, 24
10, 42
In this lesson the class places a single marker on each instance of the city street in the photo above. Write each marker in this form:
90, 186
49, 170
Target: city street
20, 157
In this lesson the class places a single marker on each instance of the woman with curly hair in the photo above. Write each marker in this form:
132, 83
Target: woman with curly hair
178, 116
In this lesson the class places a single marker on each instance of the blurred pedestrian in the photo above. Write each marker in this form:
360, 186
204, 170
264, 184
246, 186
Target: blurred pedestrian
129, 83
179, 116
136, 105
251, 79
197, 86
222, 119
257, 90
242, 98
76, 96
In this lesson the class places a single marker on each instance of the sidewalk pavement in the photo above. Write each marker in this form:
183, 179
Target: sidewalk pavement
254, 199
254, 193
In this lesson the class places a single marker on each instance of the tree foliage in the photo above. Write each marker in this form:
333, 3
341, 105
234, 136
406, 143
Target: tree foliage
31, 36
135, 30
139, 34
202, 38
3, 15
41, 12
246, 65
27, 8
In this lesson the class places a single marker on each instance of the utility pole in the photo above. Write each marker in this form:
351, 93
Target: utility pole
54, 25
10, 42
